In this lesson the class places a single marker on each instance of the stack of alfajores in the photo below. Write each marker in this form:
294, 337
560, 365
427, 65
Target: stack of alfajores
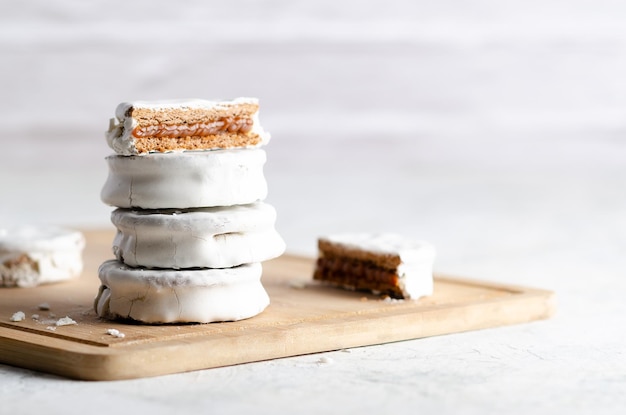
192, 228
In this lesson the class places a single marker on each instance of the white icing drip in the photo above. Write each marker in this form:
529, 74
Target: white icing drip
186, 180
119, 135
206, 237
170, 296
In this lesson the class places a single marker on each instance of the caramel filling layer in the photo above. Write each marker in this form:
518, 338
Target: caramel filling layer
358, 274
223, 125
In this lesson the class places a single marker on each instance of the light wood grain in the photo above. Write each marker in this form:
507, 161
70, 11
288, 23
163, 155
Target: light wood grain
303, 317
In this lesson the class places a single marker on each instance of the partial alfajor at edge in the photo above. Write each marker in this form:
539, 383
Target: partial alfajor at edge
192, 225
31, 255
176, 125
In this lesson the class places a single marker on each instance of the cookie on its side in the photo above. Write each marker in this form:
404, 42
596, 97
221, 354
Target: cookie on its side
387, 264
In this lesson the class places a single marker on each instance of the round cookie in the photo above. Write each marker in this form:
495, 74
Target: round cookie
180, 296
34, 255
219, 237
185, 179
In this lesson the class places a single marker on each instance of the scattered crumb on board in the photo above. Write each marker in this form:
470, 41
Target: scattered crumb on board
18, 316
116, 333
65, 321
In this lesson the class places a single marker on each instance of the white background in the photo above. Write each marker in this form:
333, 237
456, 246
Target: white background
496, 130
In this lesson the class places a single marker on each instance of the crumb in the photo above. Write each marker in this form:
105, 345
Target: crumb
51, 328
388, 299
44, 306
297, 284
35, 316
65, 321
325, 360
116, 333
363, 299
52, 315
19, 316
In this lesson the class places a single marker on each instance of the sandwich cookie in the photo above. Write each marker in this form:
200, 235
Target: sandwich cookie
142, 127
34, 255
384, 263
180, 296
219, 237
186, 180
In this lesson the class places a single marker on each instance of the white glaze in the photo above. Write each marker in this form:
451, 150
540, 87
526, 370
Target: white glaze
183, 296
119, 136
218, 237
186, 179
416, 258
54, 254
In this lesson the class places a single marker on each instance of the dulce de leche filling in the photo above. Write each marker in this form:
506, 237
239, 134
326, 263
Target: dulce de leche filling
203, 129
360, 275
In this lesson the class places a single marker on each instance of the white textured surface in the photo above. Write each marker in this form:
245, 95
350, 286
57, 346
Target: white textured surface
185, 179
179, 296
495, 130
39, 255
208, 237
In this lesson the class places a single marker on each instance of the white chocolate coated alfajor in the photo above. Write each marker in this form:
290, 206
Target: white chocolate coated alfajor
180, 296
218, 237
34, 255
415, 270
120, 135
186, 180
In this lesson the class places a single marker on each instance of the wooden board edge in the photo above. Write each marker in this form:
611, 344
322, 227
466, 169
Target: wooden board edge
89, 362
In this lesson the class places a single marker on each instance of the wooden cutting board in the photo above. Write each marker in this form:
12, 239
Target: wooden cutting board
303, 317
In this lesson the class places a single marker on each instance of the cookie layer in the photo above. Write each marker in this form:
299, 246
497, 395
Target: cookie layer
142, 127
34, 255
183, 296
186, 180
381, 263
218, 237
